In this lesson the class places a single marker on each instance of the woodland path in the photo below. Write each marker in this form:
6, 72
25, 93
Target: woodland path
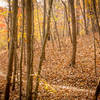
58, 87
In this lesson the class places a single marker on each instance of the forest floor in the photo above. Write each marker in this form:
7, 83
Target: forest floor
60, 81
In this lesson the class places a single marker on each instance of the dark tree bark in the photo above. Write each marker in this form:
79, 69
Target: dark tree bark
9, 23
98, 86
15, 68
44, 26
74, 34
65, 8
99, 8
97, 92
12, 49
15, 48
44, 19
77, 17
29, 49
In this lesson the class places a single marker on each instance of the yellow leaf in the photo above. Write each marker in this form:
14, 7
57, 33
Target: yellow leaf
8, 39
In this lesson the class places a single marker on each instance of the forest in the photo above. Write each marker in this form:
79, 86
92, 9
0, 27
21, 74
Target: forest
49, 49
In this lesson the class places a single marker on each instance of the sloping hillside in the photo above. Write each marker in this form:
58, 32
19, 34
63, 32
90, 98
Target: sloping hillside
59, 80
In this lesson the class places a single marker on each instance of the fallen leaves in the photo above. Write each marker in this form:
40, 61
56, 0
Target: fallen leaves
58, 80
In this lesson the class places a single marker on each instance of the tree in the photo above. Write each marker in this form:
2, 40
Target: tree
44, 19
29, 49
84, 17
12, 49
15, 50
55, 25
96, 17
39, 22
9, 23
74, 34
43, 48
97, 92
99, 7
93, 31
77, 17
22, 45
44, 25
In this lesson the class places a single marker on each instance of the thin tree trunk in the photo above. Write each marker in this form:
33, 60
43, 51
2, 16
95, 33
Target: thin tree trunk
65, 8
43, 48
99, 8
95, 12
74, 34
8, 23
39, 23
94, 51
97, 92
55, 24
15, 48
77, 17
12, 49
64, 26
93, 31
22, 45
29, 49
44, 19
15, 67
44, 26
84, 17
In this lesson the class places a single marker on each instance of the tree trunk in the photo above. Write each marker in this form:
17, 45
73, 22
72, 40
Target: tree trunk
84, 17
97, 92
77, 17
39, 23
73, 32
14, 69
22, 49
44, 26
99, 8
9, 23
43, 48
15, 49
55, 24
95, 12
12, 49
29, 49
